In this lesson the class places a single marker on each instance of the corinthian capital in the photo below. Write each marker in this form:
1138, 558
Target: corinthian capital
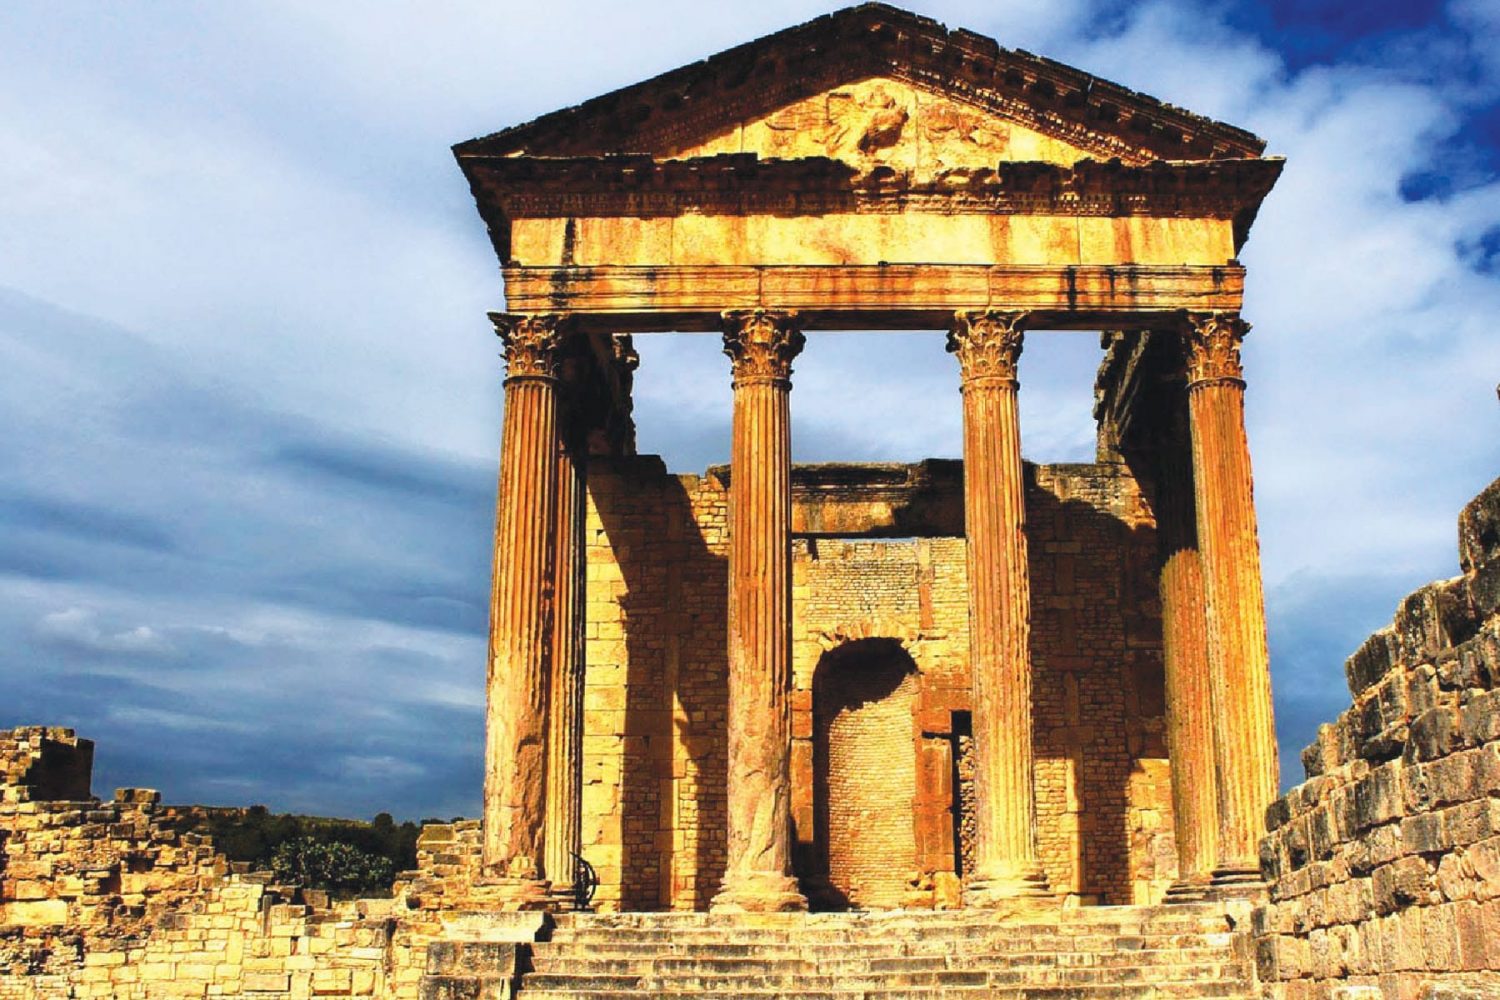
761, 343
1213, 348
988, 344
532, 343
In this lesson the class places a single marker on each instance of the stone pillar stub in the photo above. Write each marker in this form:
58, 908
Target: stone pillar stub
988, 345
758, 872
1239, 661
518, 686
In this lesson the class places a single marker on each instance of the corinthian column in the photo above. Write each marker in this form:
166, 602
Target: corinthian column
518, 687
758, 874
1239, 664
1190, 720
565, 720
988, 345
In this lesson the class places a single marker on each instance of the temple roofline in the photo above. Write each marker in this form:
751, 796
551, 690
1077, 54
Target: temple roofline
660, 114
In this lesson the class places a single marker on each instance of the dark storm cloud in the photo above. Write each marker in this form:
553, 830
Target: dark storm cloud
94, 524
251, 403
413, 474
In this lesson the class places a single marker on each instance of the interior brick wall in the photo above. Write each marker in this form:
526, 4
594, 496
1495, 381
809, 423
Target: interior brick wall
656, 686
865, 773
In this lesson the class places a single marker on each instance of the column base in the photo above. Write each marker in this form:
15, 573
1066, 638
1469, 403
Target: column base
562, 899
503, 892
1024, 889
1193, 889
758, 892
1236, 882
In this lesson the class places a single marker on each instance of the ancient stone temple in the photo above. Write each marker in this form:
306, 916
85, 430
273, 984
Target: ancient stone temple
773, 687
984, 728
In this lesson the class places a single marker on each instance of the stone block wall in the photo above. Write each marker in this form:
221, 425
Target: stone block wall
113, 900
44, 764
655, 695
1385, 863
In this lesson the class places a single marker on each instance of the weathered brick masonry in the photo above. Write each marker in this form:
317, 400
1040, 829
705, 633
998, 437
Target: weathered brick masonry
656, 690
110, 899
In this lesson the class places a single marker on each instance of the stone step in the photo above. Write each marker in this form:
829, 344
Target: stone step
825, 981
816, 928
992, 940
1171, 953
1156, 991
655, 963
1048, 918
1062, 928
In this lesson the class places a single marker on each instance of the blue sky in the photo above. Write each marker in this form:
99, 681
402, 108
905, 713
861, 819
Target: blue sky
251, 402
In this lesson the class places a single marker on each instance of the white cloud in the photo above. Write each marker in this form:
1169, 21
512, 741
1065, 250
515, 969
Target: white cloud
262, 203
79, 627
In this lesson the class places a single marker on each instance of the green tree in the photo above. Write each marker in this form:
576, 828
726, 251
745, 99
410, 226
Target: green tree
342, 869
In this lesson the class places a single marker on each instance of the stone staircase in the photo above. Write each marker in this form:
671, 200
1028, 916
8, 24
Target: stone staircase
1179, 951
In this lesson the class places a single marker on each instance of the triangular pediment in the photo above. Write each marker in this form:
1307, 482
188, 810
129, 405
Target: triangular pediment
839, 85
886, 122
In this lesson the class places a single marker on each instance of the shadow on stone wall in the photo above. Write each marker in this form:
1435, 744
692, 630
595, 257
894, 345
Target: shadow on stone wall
674, 613
1097, 687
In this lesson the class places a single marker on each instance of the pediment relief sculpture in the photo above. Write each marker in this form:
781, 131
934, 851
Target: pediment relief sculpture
886, 123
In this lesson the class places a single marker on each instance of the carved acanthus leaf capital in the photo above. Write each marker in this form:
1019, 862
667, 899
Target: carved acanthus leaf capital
761, 343
988, 344
1213, 348
532, 343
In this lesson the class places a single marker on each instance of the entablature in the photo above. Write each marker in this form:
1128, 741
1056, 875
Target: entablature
615, 208
874, 297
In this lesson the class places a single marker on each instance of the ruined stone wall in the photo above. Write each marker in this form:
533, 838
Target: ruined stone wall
1385, 862
113, 900
654, 752
44, 764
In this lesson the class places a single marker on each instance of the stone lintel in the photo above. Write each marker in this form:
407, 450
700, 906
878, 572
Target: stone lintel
875, 296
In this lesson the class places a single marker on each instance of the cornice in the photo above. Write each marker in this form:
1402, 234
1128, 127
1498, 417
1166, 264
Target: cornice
639, 186
665, 114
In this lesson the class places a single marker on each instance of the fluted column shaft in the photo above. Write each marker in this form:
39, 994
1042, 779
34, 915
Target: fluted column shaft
1239, 662
988, 345
1190, 720
565, 720
518, 686
758, 873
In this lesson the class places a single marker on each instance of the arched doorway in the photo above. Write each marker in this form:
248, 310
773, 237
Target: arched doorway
864, 776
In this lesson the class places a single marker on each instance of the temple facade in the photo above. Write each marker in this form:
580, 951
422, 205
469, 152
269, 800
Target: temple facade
1010, 721
771, 687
